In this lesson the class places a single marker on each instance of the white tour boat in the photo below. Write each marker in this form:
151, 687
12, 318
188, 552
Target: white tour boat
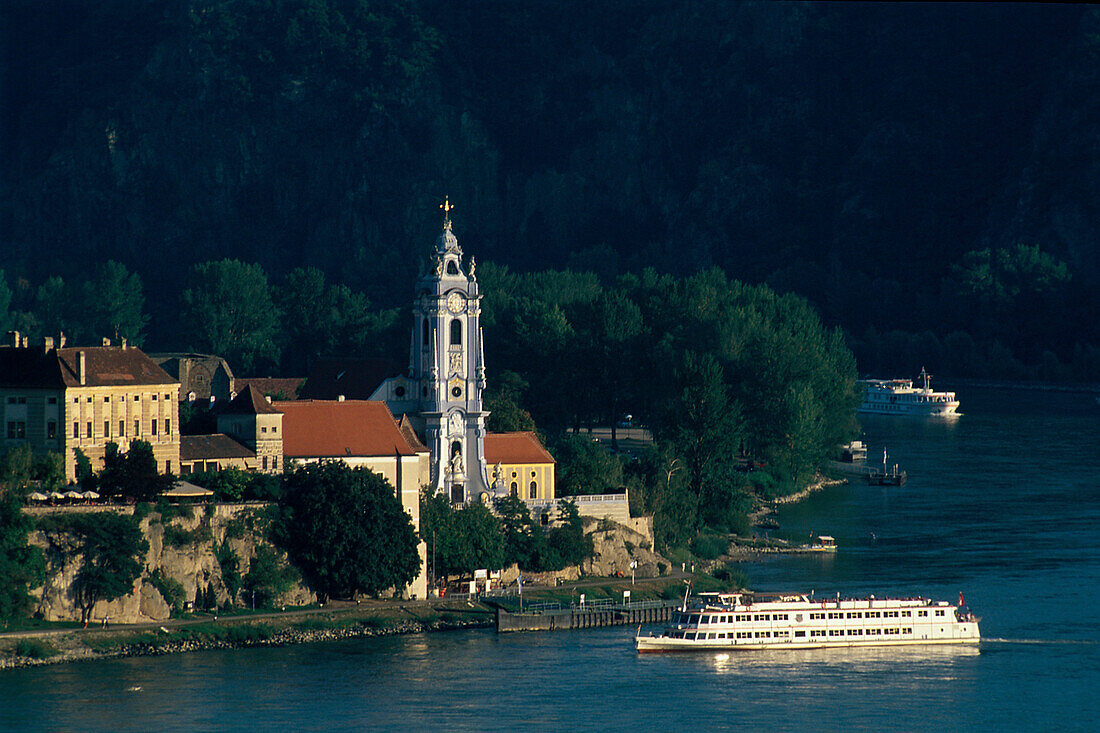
900, 397
744, 621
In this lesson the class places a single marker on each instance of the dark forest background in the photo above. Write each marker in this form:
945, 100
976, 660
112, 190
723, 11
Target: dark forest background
927, 176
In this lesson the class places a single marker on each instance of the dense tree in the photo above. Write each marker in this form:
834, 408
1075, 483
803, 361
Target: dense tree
459, 541
321, 319
269, 576
345, 530
112, 305
229, 311
112, 549
585, 466
133, 473
22, 567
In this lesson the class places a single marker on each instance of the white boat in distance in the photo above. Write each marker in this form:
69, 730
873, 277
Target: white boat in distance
740, 622
900, 397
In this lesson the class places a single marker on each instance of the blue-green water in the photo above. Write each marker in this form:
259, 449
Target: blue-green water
1003, 505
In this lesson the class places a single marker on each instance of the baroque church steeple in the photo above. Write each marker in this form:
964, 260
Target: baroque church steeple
443, 391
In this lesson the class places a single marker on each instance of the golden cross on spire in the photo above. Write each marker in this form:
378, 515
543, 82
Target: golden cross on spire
446, 206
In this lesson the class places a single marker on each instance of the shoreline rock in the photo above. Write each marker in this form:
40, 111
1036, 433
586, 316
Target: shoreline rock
281, 637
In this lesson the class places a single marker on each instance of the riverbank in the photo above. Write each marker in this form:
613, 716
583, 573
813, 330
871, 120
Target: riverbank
26, 649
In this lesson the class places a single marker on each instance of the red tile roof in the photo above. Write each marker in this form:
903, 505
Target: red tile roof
334, 429
515, 448
104, 366
249, 402
285, 388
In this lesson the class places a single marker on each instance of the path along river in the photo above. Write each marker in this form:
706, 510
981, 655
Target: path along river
1002, 504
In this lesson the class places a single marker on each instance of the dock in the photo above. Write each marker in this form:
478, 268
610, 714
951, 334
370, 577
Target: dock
595, 614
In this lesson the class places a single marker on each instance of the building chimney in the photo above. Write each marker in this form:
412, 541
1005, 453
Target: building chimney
83, 367
61, 340
47, 342
340, 398
124, 343
16, 339
106, 341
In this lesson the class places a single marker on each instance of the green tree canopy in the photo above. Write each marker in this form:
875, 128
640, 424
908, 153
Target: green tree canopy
22, 567
229, 311
112, 549
113, 305
346, 531
133, 473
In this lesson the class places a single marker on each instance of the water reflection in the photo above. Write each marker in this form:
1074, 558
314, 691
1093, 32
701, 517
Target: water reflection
861, 660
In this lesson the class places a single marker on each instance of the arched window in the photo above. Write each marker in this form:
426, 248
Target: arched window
515, 488
426, 338
534, 490
456, 332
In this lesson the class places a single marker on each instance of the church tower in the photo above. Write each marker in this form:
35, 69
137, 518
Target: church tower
447, 367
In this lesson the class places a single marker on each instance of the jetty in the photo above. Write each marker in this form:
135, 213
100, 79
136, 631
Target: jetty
593, 614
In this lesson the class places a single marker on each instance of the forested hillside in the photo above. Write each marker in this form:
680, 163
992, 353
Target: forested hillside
926, 175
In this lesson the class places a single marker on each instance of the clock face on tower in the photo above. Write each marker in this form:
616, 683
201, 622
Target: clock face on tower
455, 302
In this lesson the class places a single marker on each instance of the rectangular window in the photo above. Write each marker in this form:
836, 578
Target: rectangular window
89, 428
51, 430
17, 429
264, 463
52, 401
122, 428
167, 426
922, 613
107, 399
11, 400
76, 430
275, 462
154, 398
168, 467
137, 428
154, 427
137, 398
799, 634
106, 429
939, 613
89, 399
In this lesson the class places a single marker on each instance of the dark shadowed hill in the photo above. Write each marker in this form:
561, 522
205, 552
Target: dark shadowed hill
852, 153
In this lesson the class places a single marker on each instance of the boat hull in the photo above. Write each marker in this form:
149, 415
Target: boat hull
662, 645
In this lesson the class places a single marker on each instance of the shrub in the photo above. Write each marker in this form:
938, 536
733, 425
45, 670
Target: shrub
170, 588
35, 649
709, 546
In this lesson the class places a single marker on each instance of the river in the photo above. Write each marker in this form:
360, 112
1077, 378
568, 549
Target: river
1002, 504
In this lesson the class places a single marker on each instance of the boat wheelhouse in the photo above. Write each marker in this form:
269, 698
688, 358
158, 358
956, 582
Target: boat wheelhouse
745, 621
900, 397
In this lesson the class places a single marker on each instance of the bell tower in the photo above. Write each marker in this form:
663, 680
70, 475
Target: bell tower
447, 367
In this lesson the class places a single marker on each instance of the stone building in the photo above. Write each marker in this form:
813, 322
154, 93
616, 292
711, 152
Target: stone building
202, 377
521, 466
62, 399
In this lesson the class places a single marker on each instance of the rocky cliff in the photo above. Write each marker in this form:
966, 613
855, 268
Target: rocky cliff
183, 549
